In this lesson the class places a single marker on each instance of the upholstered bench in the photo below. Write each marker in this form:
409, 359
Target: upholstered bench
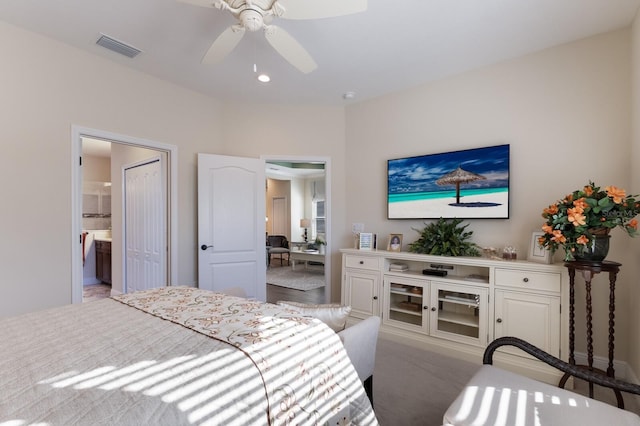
498, 397
359, 340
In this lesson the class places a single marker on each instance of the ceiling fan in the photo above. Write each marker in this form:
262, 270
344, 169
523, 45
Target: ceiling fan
253, 15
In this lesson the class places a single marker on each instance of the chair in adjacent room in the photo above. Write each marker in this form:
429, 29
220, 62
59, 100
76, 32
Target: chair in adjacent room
278, 245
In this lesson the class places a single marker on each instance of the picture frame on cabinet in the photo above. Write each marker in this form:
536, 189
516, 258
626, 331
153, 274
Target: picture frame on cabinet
536, 252
366, 241
395, 242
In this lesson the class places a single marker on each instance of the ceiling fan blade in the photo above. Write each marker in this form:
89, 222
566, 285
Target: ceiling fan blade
203, 3
317, 9
290, 49
223, 45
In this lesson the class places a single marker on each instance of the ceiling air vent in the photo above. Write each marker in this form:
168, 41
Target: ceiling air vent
117, 46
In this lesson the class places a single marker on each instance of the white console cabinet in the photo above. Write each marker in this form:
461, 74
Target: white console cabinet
459, 313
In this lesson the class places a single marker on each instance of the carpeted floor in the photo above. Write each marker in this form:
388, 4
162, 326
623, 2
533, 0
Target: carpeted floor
412, 386
300, 279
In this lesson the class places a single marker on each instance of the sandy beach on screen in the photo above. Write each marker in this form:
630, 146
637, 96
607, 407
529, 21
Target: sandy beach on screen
440, 207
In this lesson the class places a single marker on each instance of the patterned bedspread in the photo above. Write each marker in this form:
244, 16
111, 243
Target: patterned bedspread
206, 359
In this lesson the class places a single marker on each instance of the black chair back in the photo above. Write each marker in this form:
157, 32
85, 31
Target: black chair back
278, 241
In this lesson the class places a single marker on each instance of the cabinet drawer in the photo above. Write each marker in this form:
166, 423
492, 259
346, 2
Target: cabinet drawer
546, 281
362, 262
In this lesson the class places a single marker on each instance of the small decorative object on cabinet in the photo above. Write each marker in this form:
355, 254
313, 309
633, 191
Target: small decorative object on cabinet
537, 252
579, 221
366, 241
460, 312
395, 242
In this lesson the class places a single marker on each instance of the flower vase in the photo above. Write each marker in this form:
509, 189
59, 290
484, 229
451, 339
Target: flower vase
321, 249
596, 251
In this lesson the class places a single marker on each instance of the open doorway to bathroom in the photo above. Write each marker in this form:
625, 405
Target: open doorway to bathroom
100, 260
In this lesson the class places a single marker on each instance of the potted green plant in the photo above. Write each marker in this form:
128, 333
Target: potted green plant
320, 243
582, 220
445, 238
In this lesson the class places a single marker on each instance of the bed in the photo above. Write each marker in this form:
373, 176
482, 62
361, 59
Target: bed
176, 356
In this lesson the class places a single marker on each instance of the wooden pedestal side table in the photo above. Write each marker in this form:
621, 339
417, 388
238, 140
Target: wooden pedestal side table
588, 270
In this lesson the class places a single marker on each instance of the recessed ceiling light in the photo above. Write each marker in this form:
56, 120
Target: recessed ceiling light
263, 78
349, 95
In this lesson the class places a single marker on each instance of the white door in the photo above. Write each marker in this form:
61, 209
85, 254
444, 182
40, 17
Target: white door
281, 225
144, 226
231, 225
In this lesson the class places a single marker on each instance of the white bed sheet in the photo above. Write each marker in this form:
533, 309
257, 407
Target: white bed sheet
105, 363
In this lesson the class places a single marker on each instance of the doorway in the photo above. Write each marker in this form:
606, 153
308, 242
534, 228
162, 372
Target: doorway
170, 217
280, 216
306, 185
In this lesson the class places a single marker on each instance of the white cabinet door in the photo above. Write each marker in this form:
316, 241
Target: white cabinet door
361, 293
531, 317
406, 303
459, 312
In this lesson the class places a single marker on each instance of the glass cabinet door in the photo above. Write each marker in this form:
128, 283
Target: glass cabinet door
406, 303
459, 313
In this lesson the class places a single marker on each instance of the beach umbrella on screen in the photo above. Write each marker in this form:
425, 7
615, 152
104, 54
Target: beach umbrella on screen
457, 177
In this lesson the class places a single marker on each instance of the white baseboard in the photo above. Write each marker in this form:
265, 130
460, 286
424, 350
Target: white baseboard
621, 367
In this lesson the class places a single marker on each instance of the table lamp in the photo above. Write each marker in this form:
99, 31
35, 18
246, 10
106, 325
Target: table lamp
305, 223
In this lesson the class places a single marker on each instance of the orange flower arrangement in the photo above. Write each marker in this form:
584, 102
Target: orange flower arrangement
574, 221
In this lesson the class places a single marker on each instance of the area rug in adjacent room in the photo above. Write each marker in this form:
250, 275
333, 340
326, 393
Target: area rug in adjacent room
300, 279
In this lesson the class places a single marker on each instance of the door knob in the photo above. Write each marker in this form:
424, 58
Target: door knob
204, 247
499, 320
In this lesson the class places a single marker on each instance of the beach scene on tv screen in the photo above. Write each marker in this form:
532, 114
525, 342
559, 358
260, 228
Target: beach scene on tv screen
466, 184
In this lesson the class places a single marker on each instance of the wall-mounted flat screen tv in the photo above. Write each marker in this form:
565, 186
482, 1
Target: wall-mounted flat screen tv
468, 184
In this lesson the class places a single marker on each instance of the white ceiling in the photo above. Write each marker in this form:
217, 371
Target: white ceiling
394, 45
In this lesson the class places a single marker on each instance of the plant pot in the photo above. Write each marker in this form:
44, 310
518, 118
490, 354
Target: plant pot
596, 251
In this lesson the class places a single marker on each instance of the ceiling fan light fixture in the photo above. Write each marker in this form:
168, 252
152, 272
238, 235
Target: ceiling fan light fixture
264, 78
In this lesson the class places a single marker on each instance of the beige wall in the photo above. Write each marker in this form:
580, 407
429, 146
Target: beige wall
53, 87
48, 88
634, 249
96, 169
564, 111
